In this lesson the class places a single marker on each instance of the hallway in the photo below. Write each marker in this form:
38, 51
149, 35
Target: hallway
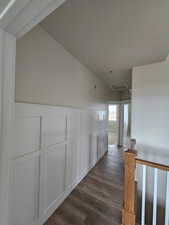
97, 200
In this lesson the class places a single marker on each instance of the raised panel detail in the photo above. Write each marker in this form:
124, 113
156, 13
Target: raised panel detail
27, 135
72, 163
54, 129
94, 149
86, 123
24, 190
55, 173
85, 153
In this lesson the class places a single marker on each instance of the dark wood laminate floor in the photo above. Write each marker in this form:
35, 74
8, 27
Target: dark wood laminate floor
97, 200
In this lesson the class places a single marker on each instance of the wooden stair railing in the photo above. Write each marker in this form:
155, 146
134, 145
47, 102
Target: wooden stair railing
129, 204
130, 189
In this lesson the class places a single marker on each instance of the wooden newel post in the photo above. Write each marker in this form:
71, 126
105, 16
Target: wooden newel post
129, 204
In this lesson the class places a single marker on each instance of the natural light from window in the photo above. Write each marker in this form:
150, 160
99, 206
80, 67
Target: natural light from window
112, 112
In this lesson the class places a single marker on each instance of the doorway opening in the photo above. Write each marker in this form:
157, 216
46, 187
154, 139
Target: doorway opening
119, 124
113, 125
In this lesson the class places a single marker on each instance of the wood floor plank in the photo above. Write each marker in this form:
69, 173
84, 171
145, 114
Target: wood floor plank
92, 213
101, 207
97, 192
97, 200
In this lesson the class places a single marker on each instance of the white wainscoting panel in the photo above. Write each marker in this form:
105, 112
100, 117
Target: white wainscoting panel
84, 153
73, 137
55, 147
72, 163
27, 135
24, 190
94, 157
55, 173
54, 129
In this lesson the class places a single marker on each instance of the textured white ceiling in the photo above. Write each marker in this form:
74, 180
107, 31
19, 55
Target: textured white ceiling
112, 34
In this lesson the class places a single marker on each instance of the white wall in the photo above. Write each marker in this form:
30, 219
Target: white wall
150, 108
47, 74
150, 127
56, 145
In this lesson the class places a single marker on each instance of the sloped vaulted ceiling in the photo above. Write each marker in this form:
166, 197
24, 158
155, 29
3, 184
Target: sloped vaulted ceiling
112, 34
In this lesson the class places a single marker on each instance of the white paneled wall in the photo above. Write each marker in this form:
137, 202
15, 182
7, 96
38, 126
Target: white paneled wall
54, 149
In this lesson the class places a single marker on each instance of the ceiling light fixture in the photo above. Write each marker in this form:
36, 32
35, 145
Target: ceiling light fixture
9, 5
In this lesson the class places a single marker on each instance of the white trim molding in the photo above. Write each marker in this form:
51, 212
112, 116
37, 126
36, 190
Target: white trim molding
7, 84
7, 8
34, 12
119, 102
9, 17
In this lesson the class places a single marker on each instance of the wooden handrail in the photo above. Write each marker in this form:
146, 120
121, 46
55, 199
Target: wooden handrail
129, 204
130, 185
152, 164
